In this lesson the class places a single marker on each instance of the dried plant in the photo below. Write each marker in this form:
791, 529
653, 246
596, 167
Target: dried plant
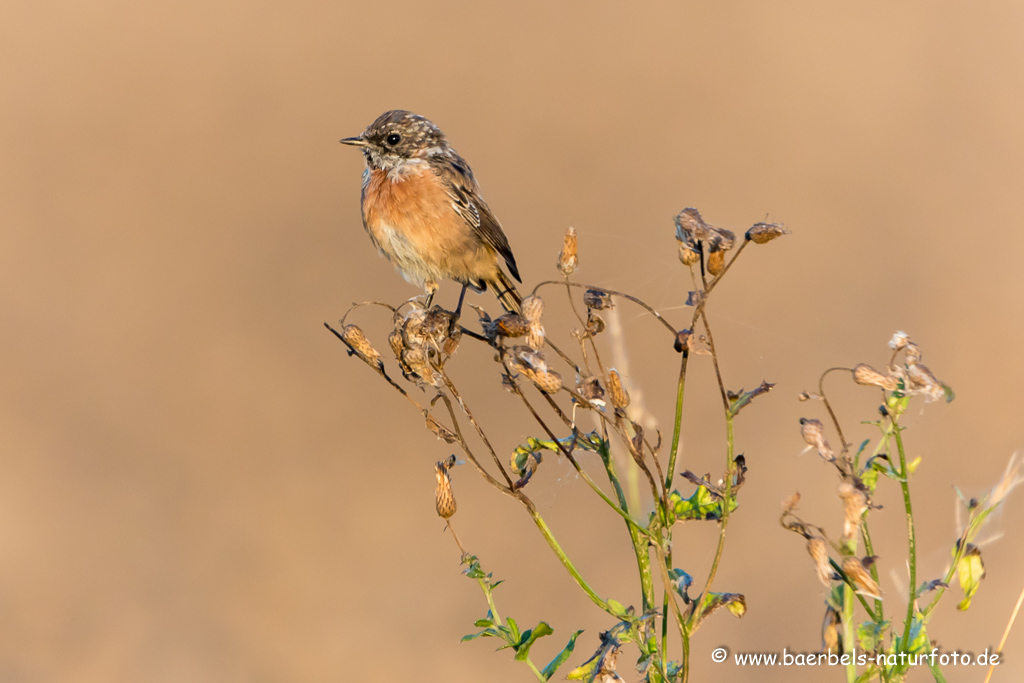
554, 387
900, 638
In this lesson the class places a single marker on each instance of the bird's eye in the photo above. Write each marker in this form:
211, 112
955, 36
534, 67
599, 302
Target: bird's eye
393, 139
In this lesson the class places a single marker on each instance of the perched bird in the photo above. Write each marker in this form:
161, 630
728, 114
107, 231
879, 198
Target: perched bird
423, 210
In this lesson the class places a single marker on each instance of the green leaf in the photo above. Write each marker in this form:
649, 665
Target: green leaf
618, 609
513, 628
548, 671
912, 465
483, 623
529, 638
970, 571
736, 602
870, 635
486, 633
702, 505
681, 581
948, 391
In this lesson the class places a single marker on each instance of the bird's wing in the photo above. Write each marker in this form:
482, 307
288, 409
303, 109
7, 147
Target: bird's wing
465, 195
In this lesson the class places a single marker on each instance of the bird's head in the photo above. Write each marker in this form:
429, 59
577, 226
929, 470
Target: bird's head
398, 137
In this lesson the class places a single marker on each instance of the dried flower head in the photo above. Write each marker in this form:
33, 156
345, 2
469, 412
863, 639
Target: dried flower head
360, 346
789, 505
444, 498
420, 369
598, 300
620, 397
818, 550
507, 325
899, 340
813, 433
690, 227
857, 570
721, 239
567, 260
683, 340
762, 233
867, 376
855, 502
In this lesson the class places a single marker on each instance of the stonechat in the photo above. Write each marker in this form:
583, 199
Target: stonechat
423, 210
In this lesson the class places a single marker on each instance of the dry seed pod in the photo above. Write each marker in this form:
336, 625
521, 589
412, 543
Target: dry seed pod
535, 336
444, 498
762, 233
830, 635
695, 297
598, 300
818, 550
440, 431
924, 381
416, 360
856, 569
716, 262
790, 503
855, 502
397, 343
567, 258
688, 256
867, 376
813, 434
547, 381
620, 397
357, 341
533, 308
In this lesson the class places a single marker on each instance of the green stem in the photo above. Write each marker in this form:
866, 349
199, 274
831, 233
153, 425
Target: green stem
849, 637
869, 549
726, 504
563, 558
677, 429
490, 600
643, 560
912, 539
535, 670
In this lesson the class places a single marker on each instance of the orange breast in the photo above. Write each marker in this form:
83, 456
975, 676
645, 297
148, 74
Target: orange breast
412, 221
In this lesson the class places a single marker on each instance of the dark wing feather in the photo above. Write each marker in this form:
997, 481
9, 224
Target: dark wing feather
465, 194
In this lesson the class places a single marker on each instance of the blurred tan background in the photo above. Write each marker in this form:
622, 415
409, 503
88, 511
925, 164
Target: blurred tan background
198, 485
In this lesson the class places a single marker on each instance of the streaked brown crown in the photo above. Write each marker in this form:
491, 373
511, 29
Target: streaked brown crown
404, 134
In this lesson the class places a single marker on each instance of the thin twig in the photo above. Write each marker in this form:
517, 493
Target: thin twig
1006, 633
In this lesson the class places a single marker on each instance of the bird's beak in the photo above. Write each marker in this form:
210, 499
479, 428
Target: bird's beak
357, 141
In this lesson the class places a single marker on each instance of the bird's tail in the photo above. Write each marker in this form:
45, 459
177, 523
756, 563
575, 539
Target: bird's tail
506, 292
